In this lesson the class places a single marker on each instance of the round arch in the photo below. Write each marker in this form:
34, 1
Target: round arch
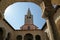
2, 33
9, 2
19, 37
28, 36
8, 36
42, 3
37, 37
4, 4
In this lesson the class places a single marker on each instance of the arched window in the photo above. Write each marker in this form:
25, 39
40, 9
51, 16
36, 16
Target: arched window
19, 37
28, 37
29, 17
1, 34
8, 36
37, 37
28, 27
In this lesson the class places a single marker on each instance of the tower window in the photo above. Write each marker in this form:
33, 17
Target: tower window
29, 17
28, 27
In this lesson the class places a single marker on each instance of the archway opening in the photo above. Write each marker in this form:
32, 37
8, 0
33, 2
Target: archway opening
1, 34
14, 14
37, 37
28, 37
19, 37
8, 36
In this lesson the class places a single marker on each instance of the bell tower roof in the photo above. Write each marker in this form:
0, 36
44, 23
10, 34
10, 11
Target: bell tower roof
29, 17
29, 12
28, 22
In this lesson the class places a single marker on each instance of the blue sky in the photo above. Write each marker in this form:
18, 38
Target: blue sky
15, 14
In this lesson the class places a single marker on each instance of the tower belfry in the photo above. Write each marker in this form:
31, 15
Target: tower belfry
29, 17
29, 22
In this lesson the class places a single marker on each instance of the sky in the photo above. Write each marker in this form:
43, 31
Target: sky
15, 14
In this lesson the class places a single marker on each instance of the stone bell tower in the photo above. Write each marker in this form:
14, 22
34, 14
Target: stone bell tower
29, 17
28, 22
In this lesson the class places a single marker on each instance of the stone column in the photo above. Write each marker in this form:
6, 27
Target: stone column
22, 37
33, 37
48, 14
50, 30
52, 27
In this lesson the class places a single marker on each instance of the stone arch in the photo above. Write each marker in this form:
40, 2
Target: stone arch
19, 37
42, 3
28, 36
37, 37
2, 33
8, 36
9, 2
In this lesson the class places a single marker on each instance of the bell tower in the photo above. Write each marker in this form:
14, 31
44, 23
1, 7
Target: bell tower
29, 17
28, 22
